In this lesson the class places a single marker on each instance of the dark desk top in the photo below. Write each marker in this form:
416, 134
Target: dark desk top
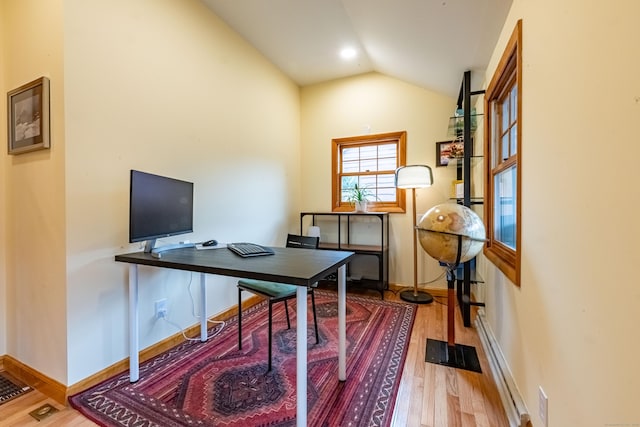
288, 265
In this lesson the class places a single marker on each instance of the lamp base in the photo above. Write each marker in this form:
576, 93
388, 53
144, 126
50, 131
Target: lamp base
418, 297
456, 356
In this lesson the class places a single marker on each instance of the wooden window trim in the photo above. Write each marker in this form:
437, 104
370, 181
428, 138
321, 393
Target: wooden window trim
510, 66
373, 206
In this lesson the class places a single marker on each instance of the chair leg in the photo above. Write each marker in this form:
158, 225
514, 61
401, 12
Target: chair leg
270, 312
239, 319
315, 321
286, 310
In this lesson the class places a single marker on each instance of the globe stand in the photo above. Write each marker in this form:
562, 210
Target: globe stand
448, 353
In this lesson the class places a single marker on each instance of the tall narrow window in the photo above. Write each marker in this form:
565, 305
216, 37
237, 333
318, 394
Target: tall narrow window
503, 141
370, 161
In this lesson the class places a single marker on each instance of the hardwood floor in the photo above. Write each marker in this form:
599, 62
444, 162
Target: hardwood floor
438, 396
429, 395
16, 412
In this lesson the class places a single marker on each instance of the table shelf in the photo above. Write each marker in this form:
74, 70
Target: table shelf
364, 233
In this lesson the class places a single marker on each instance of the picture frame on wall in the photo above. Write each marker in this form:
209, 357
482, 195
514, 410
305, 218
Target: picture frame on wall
28, 117
449, 150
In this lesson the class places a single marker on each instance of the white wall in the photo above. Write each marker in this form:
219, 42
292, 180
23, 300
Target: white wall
162, 86
166, 87
369, 104
34, 195
572, 325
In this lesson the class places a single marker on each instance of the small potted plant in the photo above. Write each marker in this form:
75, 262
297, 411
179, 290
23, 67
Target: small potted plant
359, 196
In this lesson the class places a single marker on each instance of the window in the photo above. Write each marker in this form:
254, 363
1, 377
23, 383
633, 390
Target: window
370, 161
503, 141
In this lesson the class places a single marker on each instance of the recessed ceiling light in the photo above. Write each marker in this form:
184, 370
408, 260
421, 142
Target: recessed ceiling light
348, 53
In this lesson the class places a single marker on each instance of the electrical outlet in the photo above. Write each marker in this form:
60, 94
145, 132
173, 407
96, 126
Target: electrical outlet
161, 308
543, 407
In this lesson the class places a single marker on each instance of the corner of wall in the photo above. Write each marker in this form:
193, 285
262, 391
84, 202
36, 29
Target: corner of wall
3, 216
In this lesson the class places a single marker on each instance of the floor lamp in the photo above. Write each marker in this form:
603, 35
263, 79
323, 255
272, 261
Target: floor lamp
414, 176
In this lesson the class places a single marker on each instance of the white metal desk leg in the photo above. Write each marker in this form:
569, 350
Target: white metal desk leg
134, 371
203, 307
301, 356
342, 323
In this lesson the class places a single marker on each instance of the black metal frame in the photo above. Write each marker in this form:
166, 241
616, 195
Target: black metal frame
382, 255
469, 275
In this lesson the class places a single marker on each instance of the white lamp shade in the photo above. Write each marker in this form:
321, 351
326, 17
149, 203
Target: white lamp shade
414, 176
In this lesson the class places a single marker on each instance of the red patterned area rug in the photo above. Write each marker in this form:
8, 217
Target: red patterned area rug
215, 384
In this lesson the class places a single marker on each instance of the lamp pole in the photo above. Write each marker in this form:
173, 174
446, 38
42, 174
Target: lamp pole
418, 297
415, 244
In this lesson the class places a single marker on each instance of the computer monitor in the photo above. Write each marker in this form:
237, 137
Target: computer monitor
159, 207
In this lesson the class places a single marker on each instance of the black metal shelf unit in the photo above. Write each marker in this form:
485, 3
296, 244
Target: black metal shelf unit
343, 235
467, 273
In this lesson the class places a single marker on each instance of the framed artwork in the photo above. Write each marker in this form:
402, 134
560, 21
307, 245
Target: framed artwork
28, 117
447, 150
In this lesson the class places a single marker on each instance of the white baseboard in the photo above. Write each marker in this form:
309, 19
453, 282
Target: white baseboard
514, 406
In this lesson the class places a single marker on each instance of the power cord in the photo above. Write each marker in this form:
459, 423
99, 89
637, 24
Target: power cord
439, 300
217, 332
184, 335
193, 308
444, 272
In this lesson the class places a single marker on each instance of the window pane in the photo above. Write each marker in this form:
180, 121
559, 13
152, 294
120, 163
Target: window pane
369, 152
504, 207
514, 103
505, 115
350, 167
386, 180
370, 165
495, 136
514, 139
387, 164
348, 182
368, 181
386, 195
505, 146
387, 150
350, 154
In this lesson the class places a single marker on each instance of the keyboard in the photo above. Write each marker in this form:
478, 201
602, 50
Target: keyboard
249, 249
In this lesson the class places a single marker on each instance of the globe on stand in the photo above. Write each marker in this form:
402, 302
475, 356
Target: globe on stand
452, 234
448, 228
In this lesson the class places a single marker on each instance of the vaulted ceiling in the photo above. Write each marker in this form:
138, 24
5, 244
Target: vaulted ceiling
429, 43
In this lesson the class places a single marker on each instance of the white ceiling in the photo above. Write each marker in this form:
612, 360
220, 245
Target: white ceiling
429, 43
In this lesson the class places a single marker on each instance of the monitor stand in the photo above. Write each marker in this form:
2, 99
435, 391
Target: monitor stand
148, 245
155, 252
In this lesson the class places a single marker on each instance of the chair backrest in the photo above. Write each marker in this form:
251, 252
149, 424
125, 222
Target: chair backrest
306, 242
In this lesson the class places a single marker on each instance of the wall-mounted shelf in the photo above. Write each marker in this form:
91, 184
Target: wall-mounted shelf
476, 179
456, 124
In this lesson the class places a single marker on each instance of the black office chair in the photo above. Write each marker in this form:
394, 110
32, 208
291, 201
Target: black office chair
275, 292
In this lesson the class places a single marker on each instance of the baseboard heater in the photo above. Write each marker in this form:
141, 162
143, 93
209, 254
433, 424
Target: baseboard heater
514, 406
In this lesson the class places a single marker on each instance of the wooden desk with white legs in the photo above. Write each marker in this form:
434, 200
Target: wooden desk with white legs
288, 265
